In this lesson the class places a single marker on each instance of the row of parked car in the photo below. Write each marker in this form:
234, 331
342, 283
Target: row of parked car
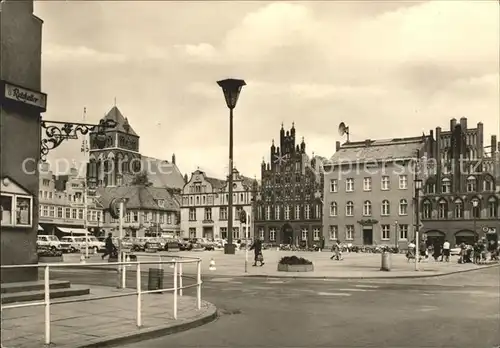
70, 244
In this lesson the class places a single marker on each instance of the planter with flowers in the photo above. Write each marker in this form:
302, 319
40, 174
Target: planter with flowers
295, 264
49, 255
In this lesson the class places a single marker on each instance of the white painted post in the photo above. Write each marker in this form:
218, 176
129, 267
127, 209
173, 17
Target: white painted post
85, 212
120, 253
46, 281
198, 281
175, 290
246, 240
160, 266
417, 248
139, 295
180, 279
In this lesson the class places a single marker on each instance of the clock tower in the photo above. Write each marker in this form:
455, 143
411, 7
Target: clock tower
119, 160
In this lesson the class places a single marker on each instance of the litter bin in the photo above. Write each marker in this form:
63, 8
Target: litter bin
386, 261
155, 279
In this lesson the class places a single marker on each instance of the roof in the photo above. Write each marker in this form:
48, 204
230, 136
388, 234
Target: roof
122, 124
162, 173
139, 197
216, 183
373, 150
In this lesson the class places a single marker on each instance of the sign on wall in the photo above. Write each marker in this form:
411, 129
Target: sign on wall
26, 96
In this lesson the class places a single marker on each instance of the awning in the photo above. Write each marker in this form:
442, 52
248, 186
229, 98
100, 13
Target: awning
71, 230
40, 228
435, 233
464, 233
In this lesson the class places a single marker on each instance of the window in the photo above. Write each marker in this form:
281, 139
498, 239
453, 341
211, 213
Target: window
59, 212
349, 185
492, 207
403, 232
403, 182
307, 212
223, 213
349, 209
272, 234
161, 203
317, 211
386, 232
442, 209
135, 217
74, 213
333, 185
385, 184
268, 213
192, 232
45, 210
333, 232
16, 210
287, 212
304, 234
237, 214
236, 233
349, 232
431, 188
488, 184
68, 213
80, 214
427, 210
367, 184
471, 184
277, 213
333, 209
459, 209
208, 214
403, 207
316, 234
223, 232
446, 185
297, 212
367, 208
386, 208
261, 232
192, 214
52, 211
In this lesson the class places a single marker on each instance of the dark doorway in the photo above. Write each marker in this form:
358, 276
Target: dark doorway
367, 236
208, 233
287, 234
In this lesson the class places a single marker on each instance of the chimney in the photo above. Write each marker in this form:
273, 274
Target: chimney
463, 124
368, 142
453, 123
337, 145
493, 145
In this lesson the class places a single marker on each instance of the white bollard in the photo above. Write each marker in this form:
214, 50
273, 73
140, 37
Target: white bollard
212, 265
82, 258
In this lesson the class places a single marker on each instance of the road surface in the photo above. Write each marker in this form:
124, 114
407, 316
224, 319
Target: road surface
459, 310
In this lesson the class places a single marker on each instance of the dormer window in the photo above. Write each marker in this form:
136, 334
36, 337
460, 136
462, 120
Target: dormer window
161, 203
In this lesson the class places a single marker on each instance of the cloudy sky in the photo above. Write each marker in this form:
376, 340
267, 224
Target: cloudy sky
387, 69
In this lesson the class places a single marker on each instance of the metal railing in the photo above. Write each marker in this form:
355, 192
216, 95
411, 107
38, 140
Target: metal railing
177, 289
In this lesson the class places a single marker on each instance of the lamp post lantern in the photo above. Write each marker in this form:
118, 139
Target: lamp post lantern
231, 89
475, 204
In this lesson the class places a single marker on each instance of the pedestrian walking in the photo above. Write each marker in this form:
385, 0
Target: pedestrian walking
446, 251
110, 247
437, 251
257, 248
337, 251
322, 243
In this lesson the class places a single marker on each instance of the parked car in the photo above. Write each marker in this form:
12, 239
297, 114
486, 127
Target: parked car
52, 242
204, 243
74, 242
152, 245
185, 244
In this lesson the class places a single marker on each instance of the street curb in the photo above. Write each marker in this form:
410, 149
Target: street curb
154, 332
421, 275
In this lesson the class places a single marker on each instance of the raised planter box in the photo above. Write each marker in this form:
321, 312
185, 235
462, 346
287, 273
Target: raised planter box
295, 268
50, 259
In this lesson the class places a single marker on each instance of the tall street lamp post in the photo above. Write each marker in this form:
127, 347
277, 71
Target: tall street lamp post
475, 204
396, 236
231, 89
418, 187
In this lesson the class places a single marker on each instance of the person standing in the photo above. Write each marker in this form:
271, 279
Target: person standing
322, 243
446, 251
257, 248
110, 247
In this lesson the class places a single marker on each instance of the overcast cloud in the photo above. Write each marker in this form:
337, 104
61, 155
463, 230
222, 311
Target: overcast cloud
386, 69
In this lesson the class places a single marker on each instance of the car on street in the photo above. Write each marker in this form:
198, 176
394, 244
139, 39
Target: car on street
74, 242
52, 242
204, 243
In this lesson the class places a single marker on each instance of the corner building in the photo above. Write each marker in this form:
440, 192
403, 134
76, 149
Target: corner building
465, 170
369, 192
288, 206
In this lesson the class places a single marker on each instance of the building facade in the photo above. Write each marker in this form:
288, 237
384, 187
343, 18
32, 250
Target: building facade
21, 106
149, 211
204, 209
369, 192
288, 207
461, 172
62, 205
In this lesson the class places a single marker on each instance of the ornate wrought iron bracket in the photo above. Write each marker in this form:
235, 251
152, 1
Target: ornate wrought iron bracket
56, 132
